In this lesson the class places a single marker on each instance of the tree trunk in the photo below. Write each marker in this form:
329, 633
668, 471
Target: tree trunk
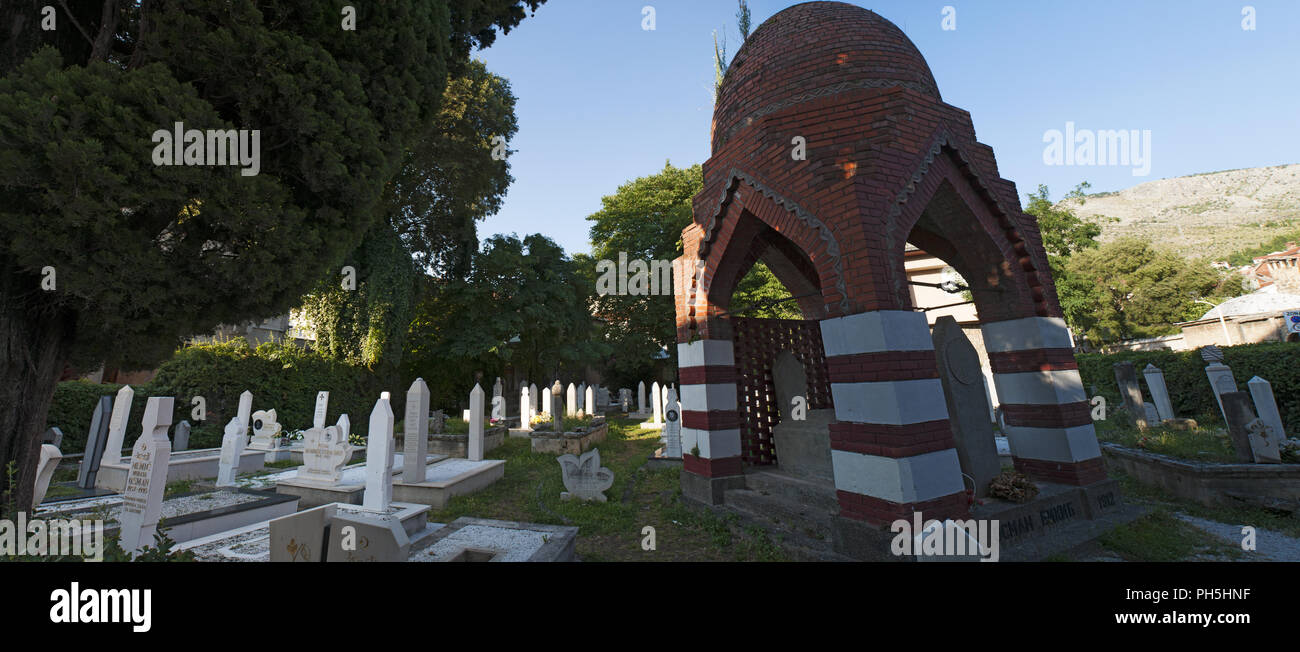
34, 345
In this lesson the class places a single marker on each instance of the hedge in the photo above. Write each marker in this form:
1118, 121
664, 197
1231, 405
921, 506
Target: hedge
282, 377
1189, 389
74, 405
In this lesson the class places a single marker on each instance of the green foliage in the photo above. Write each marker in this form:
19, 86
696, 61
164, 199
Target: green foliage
1247, 256
524, 303
1202, 444
74, 404
451, 179
282, 377
147, 255
643, 219
367, 325
1065, 234
761, 289
1139, 291
1189, 389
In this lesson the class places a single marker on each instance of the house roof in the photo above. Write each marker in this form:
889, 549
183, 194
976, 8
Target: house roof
1255, 303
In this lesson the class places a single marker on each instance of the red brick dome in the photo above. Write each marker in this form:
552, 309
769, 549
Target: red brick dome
813, 50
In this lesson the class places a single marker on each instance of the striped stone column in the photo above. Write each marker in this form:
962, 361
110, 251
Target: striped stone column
711, 457
891, 443
1044, 405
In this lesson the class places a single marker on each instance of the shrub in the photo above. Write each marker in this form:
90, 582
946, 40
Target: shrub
1189, 389
283, 377
74, 405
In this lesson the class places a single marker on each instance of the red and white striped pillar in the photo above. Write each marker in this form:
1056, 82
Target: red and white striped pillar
710, 418
891, 444
1044, 405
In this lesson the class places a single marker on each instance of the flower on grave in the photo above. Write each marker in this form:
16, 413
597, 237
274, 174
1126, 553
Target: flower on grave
356, 439
295, 435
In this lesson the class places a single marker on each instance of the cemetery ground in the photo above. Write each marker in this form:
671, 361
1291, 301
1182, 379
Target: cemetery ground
612, 531
1178, 529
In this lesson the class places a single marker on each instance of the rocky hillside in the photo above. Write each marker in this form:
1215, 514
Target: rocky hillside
1207, 215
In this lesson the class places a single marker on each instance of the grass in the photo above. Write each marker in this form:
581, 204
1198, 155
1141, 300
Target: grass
1201, 444
1138, 493
1161, 536
614, 530
178, 487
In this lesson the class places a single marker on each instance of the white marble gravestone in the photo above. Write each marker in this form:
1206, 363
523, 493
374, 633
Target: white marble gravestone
640, 396
324, 452
1131, 393
415, 433
322, 406
589, 402
1266, 406
232, 448
147, 477
546, 400
525, 409
266, 431
584, 477
672, 433
656, 403
246, 410
571, 400
497, 388
532, 399
1159, 392
379, 457
49, 461
117, 425
1265, 442
181, 436
1221, 382
474, 448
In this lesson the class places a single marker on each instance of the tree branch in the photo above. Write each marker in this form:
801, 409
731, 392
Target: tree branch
64, 4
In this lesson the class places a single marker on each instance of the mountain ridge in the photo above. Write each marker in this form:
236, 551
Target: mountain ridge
1207, 215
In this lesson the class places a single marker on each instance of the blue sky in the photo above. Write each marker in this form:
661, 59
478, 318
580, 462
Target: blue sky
602, 101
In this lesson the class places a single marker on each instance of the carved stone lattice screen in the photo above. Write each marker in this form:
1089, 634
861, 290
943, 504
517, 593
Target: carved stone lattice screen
757, 341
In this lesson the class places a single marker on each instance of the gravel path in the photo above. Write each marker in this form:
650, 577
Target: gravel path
1269, 545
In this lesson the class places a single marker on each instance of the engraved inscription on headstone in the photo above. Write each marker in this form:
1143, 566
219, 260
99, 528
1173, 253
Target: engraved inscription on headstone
415, 433
147, 477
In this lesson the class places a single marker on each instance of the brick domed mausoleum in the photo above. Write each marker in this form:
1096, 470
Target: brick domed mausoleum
887, 163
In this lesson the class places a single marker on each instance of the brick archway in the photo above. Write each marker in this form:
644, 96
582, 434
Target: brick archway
887, 160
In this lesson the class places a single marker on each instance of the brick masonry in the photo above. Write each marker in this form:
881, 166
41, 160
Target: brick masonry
888, 162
